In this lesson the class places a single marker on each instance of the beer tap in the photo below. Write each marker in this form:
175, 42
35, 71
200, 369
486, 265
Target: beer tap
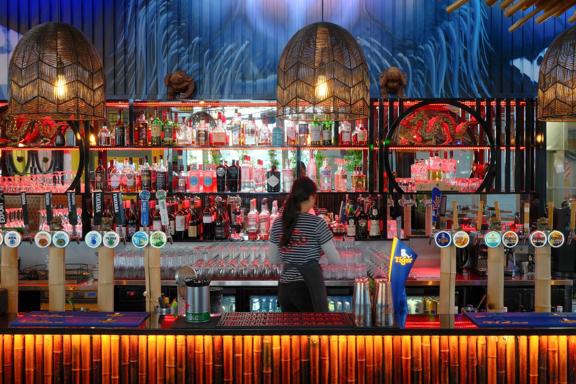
161, 197
72, 214
26, 217
119, 214
407, 203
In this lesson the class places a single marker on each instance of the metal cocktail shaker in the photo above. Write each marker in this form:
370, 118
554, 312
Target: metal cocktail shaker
383, 305
361, 302
197, 300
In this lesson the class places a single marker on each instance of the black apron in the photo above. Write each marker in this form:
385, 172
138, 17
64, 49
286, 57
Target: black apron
314, 280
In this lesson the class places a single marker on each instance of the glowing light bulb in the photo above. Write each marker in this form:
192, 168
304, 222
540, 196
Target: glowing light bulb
92, 139
60, 87
321, 87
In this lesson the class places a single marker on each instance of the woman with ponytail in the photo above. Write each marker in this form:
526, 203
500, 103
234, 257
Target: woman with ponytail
297, 240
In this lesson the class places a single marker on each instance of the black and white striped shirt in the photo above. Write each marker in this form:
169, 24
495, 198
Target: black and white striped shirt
310, 233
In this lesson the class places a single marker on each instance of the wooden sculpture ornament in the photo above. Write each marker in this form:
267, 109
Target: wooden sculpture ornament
393, 81
179, 85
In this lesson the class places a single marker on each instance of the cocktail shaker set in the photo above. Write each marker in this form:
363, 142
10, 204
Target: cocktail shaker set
374, 309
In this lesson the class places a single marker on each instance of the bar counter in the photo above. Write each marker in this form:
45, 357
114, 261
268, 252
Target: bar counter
429, 350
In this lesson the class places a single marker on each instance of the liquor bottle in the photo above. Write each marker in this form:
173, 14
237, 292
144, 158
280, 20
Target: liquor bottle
192, 132
340, 178
278, 134
59, 140
246, 175
119, 131
303, 134
100, 177
264, 220
233, 177
252, 221
193, 179
361, 223
161, 175
202, 134
207, 222
182, 180
115, 177
274, 214
146, 176
128, 178
273, 180
250, 132
156, 131
327, 133
182, 135
358, 180
221, 177
154, 174
131, 219
235, 129
311, 170
220, 230
345, 134
264, 134
287, 177
180, 228
291, 133
315, 133
325, 177
360, 135
156, 220
69, 136
167, 131
208, 181
351, 220
104, 136
175, 175
141, 130
374, 230
193, 232
259, 176
219, 133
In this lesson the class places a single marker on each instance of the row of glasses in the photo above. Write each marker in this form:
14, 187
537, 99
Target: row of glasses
56, 182
63, 214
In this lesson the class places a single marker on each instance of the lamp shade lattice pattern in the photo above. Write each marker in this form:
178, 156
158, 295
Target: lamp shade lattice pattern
323, 74
55, 71
557, 79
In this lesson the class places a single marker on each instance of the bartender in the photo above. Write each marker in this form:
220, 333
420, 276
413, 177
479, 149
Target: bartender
297, 240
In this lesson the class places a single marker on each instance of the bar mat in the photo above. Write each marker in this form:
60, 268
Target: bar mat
523, 319
314, 320
79, 319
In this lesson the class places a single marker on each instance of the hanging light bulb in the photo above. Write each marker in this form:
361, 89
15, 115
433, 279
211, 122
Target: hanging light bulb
60, 87
321, 88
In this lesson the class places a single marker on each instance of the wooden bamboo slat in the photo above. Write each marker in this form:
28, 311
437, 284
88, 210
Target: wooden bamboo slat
501, 359
482, 370
285, 361
342, 359
553, 359
48, 359
228, 358
190, 359
125, 359
435, 359
106, 362
38, 359
76, 362
56, 359
248, 367
334, 358
86, 356
160, 358
533, 363
208, 360
115, 359
218, 360
142, 358
523, 359
304, 360
295, 359
170, 359
257, 360
238, 359
315, 346
406, 359
67, 358
397, 359
426, 367
543, 359
351, 359
199, 358
562, 359
416, 359
152, 364
18, 358
29, 360
491, 359
472, 359
370, 371
511, 360
379, 362
276, 359
360, 360
444, 359
266, 360
454, 359
572, 359
463, 358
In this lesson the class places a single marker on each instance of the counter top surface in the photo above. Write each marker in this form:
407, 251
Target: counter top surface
415, 325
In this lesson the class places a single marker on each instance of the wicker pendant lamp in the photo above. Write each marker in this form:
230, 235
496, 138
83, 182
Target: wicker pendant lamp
557, 79
55, 71
322, 74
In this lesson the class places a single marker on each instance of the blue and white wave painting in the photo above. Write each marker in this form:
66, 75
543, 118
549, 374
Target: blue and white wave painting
232, 47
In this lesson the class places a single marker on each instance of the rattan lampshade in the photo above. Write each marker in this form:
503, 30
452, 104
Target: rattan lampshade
55, 71
557, 79
323, 74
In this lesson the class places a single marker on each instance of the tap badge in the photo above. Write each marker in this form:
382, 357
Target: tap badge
443, 239
93, 239
493, 239
12, 239
556, 239
461, 239
60, 239
538, 239
510, 239
158, 239
404, 258
43, 239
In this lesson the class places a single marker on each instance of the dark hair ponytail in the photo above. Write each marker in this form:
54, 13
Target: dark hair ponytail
301, 191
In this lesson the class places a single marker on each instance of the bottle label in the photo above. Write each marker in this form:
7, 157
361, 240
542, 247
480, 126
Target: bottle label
315, 134
264, 224
252, 222
345, 137
362, 136
160, 180
326, 135
192, 231
273, 181
180, 223
219, 138
156, 130
130, 180
207, 219
98, 179
115, 181
207, 181
374, 228
221, 172
351, 230
193, 181
157, 225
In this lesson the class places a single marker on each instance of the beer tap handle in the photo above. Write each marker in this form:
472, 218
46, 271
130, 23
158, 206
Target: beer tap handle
498, 216
454, 215
479, 216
